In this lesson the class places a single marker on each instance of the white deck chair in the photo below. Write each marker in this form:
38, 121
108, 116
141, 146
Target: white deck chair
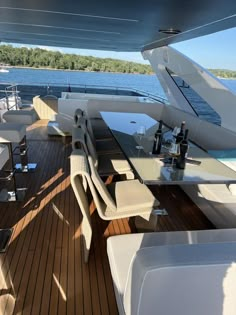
97, 127
120, 199
103, 146
78, 172
108, 164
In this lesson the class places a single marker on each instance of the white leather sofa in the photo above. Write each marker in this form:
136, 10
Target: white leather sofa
174, 273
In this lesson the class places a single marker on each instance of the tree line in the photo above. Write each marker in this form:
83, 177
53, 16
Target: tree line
42, 58
222, 73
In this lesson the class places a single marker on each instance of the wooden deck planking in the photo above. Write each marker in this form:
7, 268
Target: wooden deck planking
17, 230
19, 259
43, 268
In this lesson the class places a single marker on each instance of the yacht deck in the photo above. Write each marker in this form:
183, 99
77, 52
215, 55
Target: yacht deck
42, 271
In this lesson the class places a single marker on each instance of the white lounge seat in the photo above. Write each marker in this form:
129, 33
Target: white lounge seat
26, 117
16, 133
12, 132
174, 273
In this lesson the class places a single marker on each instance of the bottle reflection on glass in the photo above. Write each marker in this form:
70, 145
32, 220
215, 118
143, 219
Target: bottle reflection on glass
156, 149
177, 175
180, 135
183, 148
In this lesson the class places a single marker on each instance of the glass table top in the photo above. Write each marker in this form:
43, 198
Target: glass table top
157, 169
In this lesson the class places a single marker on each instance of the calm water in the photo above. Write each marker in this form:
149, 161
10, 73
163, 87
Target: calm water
146, 83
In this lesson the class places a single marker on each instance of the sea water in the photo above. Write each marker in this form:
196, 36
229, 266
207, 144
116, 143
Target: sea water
139, 82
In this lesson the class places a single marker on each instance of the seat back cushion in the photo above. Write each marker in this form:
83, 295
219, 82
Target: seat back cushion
100, 186
182, 280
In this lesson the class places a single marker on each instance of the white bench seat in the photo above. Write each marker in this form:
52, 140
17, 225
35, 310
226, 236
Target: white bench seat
26, 117
217, 202
12, 132
185, 257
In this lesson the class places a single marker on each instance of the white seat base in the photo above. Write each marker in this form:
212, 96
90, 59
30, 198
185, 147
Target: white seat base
26, 117
12, 132
121, 250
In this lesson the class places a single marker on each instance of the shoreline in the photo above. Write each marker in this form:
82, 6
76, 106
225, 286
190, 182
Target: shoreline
84, 71
69, 70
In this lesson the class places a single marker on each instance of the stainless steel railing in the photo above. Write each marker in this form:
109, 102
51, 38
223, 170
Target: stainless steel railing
11, 99
52, 88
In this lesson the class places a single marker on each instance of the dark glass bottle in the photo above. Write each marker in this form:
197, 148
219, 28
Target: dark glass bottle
156, 149
180, 135
183, 148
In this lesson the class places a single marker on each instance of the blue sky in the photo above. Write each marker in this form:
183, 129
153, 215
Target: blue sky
211, 51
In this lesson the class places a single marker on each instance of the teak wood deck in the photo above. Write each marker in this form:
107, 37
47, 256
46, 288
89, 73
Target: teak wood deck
42, 271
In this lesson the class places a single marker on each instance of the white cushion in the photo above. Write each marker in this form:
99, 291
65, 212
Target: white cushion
121, 249
12, 132
182, 280
26, 117
130, 192
217, 202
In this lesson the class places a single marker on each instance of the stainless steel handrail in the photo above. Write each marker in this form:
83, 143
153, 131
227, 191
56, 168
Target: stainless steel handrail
12, 91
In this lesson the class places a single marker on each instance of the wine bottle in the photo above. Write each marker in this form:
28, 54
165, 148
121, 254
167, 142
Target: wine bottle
180, 135
158, 139
181, 160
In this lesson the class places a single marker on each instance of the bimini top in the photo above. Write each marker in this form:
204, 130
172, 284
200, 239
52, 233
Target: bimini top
120, 25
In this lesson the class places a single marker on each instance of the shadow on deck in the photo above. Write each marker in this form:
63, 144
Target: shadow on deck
42, 271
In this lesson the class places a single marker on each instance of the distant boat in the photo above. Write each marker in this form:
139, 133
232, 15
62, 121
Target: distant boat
3, 68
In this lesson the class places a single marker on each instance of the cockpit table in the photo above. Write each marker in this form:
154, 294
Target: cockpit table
151, 169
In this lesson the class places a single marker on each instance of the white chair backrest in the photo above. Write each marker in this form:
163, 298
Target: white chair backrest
91, 149
100, 187
84, 165
85, 123
87, 140
78, 173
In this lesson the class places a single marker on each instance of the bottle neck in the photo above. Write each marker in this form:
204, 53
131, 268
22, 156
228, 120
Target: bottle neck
182, 126
186, 134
